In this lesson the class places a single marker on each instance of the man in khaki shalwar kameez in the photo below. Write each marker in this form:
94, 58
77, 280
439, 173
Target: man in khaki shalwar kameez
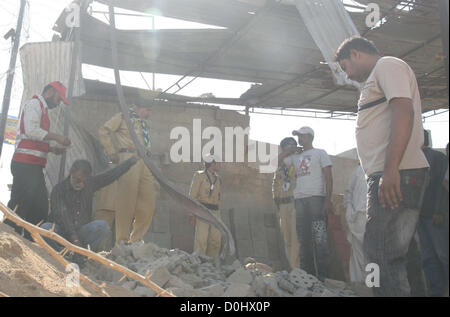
206, 188
283, 185
134, 197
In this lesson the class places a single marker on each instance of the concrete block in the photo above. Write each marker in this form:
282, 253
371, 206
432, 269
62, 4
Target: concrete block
242, 232
144, 291
160, 221
271, 286
192, 280
302, 279
334, 284
163, 240
144, 251
161, 276
236, 264
187, 292
241, 276
300, 292
238, 290
260, 249
177, 283
120, 250
245, 248
287, 286
215, 290
328, 293
270, 220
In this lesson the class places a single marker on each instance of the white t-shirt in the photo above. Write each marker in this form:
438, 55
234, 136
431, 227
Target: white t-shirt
390, 78
308, 166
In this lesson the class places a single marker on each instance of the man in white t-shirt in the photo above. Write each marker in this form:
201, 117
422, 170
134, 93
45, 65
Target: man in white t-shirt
312, 196
389, 137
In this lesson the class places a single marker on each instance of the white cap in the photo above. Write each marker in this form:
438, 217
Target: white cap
210, 158
303, 130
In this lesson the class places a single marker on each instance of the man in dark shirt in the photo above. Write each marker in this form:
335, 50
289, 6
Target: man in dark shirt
433, 223
71, 205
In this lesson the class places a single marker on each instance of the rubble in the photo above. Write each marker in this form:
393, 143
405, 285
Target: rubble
196, 275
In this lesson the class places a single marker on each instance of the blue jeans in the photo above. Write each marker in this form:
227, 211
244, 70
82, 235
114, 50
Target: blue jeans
389, 232
434, 250
93, 234
312, 235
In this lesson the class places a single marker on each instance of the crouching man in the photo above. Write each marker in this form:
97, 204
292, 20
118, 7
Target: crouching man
71, 205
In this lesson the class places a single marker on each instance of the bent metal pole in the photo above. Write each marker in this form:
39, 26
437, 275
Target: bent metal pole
189, 205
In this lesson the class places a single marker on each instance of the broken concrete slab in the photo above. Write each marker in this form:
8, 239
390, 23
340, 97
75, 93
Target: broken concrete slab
192, 279
300, 292
160, 276
176, 282
144, 251
215, 290
241, 276
238, 290
286, 286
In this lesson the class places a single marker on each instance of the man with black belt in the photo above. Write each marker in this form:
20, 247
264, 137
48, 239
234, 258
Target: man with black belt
206, 188
389, 137
132, 199
29, 192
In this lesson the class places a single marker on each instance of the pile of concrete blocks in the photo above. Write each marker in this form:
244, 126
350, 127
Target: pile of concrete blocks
196, 275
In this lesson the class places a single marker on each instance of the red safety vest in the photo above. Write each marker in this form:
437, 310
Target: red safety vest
31, 151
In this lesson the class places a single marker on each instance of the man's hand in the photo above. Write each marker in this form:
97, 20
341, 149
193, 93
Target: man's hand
74, 239
328, 207
192, 220
63, 140
114, 158
57, 150
389, 192
437, 220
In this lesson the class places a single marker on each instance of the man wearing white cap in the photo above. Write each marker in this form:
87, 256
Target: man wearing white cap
312, 196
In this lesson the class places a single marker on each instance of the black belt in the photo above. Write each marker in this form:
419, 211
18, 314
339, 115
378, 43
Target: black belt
285, 200
127, 151
372, 104
211, 206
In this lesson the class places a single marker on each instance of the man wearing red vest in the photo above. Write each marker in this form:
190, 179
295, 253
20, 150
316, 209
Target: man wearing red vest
29, 192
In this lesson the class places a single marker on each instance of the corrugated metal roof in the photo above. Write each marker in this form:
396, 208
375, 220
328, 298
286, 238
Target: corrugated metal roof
274, 49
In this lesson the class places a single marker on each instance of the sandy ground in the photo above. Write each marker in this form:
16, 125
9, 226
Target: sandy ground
27, 270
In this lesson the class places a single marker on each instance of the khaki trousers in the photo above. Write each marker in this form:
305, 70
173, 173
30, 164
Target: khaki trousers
289, 232
135, 200
207, 238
